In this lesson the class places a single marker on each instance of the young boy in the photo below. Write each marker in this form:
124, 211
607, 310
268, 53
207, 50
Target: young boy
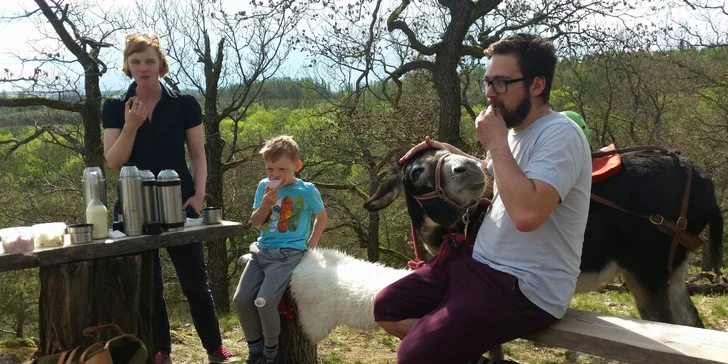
282, 210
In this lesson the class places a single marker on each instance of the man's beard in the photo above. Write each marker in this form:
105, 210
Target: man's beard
515, 118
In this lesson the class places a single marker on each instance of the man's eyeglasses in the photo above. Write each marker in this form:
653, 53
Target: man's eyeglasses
500, 86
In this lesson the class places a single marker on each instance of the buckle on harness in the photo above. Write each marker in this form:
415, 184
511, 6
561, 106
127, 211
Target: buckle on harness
654, 219
441, 193
682, 223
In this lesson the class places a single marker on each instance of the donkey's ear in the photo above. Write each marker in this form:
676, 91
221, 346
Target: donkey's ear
385, 195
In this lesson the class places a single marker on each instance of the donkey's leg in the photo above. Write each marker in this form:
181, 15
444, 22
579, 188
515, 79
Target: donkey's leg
683, 309
653, 304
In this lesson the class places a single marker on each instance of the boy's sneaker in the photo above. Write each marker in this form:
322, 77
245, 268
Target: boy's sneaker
255, 359
162, 358
222, 355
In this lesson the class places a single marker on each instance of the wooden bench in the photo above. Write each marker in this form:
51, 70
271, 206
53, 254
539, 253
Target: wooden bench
635, 341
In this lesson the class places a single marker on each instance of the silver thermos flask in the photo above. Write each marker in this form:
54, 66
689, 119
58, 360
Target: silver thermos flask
169, 196
94, 186
149, 199
132, 209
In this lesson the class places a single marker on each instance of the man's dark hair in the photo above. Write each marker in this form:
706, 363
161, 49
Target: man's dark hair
536, 57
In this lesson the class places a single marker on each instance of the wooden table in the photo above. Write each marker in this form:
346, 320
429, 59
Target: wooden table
102, 282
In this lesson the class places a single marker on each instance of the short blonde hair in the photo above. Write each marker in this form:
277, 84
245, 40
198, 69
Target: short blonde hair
280, 146
136, 43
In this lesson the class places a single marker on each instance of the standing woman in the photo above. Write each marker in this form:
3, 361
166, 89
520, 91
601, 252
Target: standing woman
150, 128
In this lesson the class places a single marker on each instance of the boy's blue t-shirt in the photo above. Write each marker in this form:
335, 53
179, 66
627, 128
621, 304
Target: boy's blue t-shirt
289, 221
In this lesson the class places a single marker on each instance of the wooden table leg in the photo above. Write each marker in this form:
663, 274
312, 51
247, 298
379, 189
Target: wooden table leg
116, 291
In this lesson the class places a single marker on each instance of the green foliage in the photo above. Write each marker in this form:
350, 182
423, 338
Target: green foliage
19, 303
17, 350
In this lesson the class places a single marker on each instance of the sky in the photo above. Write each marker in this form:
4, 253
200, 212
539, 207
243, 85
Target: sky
16, 37
24, 32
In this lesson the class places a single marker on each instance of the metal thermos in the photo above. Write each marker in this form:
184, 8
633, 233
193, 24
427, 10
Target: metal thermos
169, 196
149, 199
94, 186
132, 208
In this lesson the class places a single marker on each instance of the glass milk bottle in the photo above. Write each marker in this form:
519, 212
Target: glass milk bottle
96, 214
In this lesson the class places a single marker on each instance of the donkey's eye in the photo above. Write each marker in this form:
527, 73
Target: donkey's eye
416, 174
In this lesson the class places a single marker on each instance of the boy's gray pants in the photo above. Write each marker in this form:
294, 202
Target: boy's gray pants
266, 276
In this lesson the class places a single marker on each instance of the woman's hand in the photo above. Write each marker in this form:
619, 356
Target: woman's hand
135, 112
194, 201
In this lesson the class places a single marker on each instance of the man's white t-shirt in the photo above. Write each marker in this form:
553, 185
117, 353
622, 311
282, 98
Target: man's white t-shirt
546, 261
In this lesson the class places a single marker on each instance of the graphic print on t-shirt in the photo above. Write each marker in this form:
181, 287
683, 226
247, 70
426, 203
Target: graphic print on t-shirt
285, 215
297, 210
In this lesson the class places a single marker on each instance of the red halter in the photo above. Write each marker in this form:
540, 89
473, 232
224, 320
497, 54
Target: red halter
439, 192
448, 239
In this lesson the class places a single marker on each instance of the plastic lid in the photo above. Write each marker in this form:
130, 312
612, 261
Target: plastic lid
167, 175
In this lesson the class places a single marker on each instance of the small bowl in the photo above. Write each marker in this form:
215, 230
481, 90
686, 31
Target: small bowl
49, 234
17, 240
212, 215
81, 233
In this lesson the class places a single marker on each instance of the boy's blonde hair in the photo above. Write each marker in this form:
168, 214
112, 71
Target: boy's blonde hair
136, 43
280, 146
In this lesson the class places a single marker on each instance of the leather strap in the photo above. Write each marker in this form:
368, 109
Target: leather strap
95, 329
682, 222
675, 230
62, 357
100, 358
70, 357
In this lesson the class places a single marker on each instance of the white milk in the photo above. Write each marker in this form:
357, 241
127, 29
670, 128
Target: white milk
96, 214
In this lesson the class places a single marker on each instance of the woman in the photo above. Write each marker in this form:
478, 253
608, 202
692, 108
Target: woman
150, 128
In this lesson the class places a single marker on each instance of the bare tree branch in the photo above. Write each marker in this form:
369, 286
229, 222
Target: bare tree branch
356, 190
393, 23
17, 143
40, 101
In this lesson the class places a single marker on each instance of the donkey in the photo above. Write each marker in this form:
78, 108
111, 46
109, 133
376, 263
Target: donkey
614, 242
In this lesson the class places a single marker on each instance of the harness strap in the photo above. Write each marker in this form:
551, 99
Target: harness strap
675, 230
418, 262
682, 222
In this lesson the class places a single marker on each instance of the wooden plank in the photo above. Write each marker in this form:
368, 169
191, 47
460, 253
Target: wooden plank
105, 248
635, 341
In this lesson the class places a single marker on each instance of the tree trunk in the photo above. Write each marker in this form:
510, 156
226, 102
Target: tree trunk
706, 265
93, 149
216, 250
295, 347
445, 75
20, 325
373, 231
373, 237
447, 85
75, 296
